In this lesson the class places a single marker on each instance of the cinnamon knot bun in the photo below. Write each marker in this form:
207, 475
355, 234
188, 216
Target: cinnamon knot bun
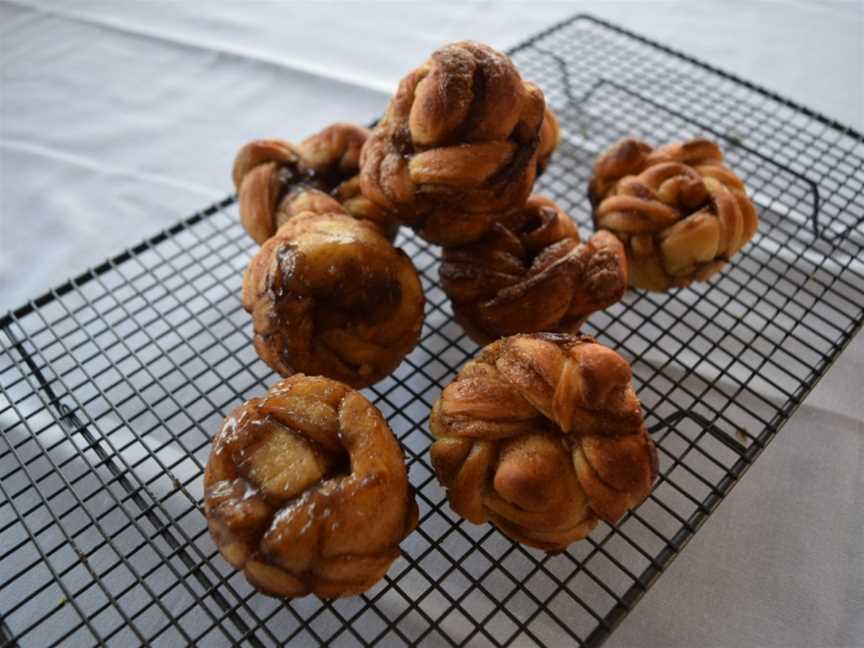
457, 145
268, 174
680, 212
542, 435
530, 273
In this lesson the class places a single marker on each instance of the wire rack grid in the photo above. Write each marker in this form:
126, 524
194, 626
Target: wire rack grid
113, 384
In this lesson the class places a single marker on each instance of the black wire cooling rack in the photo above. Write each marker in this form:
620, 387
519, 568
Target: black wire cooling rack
113, 383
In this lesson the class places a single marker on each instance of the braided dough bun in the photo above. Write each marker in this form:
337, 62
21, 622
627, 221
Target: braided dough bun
457, 145
542, 435
330, 296
306, 490
550, 137
530, 273
268, 174
680, 212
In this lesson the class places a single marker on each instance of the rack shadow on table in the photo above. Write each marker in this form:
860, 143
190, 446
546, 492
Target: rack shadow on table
113, 384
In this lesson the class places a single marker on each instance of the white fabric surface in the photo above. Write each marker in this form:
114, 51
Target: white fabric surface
118, 118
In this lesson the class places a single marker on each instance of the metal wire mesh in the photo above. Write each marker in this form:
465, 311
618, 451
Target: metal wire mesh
113, 384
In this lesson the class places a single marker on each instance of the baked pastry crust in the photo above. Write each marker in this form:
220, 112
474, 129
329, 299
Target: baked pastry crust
269, 174
550, 137
530, 273
681, 213
306, 490
543, 436
457, 145
330, 296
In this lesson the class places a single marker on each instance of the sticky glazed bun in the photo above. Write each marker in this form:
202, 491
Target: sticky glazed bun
306, 490
329, 295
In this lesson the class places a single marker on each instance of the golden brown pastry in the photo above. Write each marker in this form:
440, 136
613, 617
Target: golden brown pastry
306, 490
309, 200
330, 296
457, 146
269, 174
550, 137
530, 273
542, 435
680, 212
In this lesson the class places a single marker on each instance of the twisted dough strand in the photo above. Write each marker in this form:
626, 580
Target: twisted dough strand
530, 273
270, 174
550, 137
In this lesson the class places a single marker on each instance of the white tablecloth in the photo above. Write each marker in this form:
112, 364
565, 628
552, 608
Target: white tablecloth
118, 118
